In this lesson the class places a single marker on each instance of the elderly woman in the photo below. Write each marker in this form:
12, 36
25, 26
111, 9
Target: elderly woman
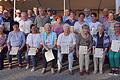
114, 56
85, 40
33, 41
69, 39
16, 38
58, 26
49, 42
3, 46
101, 41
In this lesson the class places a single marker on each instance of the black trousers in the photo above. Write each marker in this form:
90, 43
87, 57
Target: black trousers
53, 62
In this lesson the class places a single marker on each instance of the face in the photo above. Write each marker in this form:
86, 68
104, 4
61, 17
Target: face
6, 14
85, 30
15, 28
29, 12
67, 12
24, 17
110, 16
59, 20
47, 29
34, 29
66, 30
93, 18
18, 14
117, 29
105, 12
100, 29
1, 29
41, 11
72, 15
82, 17
1, 9
35, 9
87, 13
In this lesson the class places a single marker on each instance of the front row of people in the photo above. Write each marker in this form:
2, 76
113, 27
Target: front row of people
82, 44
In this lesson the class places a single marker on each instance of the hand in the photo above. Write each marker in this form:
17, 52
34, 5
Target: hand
77, 55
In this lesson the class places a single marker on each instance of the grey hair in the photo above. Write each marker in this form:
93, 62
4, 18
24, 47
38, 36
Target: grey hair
48, 24
101, 25
66, 26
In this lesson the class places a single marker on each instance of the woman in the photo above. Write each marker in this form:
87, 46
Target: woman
66, 38
85, 40
16, 39
114, 57
33, 41
49, 42
100, 41
58, 26
3, 46
109, 24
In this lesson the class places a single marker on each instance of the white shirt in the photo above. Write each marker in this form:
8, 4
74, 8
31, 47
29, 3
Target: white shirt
78, 26
17, 19
33, 40
93, 27
69, 40
25, 25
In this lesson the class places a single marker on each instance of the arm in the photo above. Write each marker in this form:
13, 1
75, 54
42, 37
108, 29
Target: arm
23, 43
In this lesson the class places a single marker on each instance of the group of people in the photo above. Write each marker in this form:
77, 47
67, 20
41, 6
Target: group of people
44, 31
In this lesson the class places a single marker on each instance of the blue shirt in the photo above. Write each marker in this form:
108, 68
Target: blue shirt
71, 23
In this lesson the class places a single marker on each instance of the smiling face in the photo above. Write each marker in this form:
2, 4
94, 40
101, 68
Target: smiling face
100, 29
34, 29
47, 28
111, 16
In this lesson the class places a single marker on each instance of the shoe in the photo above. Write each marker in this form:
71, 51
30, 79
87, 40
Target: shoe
33, 69
27, 67
100, 72
43, 70
70, 72
59, 71
81, 73
9, 67
116, 72
52, 70
95, 72
111, 72
87, 72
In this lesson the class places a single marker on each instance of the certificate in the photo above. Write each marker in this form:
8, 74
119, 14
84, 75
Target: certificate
7, 26
64, 49
14, 50
32, 51
98, 53
41, 29
83, 49
49, 55
115, 46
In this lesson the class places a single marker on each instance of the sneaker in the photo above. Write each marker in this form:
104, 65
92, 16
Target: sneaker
59, 70
87, 72
101, 72
52, 70
116, 73
95, 72
81, 73
33, 69
43, 70
27, 67
70, 72
111, 72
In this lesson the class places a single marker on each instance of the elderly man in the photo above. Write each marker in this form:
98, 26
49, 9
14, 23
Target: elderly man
87, 13
25, 23
42, 18
69, 39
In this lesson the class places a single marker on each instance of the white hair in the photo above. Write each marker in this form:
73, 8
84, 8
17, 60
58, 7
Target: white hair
66, 26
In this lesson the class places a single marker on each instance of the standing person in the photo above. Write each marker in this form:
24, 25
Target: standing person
85, 39
16, 38
87, 13
58, 26
7, 21
18, 15
66, 38
42, 18
66, 15
101, 41
49, 42
114, 57
33, 41
94, 24
25, 23
35, 11
104, 16
109, 24
3, 46
72, 19
30, 15
117, 16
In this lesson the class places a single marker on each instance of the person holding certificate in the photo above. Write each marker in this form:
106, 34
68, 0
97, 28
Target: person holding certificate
83, 48
15, 44
3, 38
66, 45
33, 43
49, 42
114, 53
101, 42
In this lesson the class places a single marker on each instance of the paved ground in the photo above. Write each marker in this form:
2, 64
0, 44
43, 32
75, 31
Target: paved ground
22, 74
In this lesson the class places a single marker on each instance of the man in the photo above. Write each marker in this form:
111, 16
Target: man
87, 13
66, 15
25, 23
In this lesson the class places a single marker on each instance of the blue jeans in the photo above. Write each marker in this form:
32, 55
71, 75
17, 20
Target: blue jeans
32, 58
19, 57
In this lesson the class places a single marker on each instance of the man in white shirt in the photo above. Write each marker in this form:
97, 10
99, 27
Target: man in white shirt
69, 39
25, 23
94, 24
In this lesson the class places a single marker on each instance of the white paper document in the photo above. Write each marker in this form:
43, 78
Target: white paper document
64, 49
98, 53
115, 46
32, 51
49, 55
83, 49
7, 26
14, 50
